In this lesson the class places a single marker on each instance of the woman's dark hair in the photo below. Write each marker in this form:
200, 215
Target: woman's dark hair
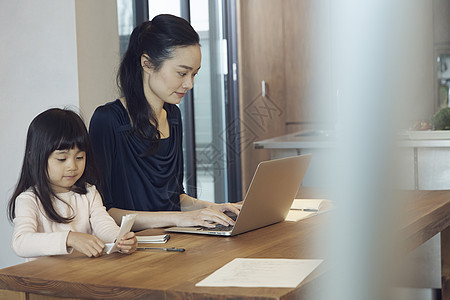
53, 129
157, 39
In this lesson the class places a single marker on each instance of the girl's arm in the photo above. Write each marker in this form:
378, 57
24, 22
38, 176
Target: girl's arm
92, 246
104, 226
100, 221
27, 241
87, 244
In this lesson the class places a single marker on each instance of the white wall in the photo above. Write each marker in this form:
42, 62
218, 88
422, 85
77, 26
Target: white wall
98, 53
40, 66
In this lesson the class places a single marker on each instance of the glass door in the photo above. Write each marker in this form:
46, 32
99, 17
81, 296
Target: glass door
209, 102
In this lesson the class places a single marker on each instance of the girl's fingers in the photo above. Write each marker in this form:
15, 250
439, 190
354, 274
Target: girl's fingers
127, 248
128, 243
128, 236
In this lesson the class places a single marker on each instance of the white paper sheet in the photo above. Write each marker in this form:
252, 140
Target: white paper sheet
125, 227
261, 272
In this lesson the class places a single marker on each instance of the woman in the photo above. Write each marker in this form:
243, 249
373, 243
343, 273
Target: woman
137, 139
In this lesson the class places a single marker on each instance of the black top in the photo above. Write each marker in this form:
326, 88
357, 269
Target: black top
130, 181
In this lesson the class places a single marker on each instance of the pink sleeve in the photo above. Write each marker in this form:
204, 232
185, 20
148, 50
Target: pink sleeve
103, 225
27, 241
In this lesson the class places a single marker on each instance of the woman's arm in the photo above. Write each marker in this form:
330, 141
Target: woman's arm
146, 219
194, 213
190, 203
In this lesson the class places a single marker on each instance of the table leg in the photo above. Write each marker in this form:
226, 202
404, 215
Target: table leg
12, 295
445, 263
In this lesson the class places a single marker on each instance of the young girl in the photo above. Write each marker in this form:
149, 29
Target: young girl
56, 207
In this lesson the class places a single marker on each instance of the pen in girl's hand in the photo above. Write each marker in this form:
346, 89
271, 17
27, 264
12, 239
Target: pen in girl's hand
172, 249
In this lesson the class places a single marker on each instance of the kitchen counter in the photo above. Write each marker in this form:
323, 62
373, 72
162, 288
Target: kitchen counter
317, 142
424, 155
298, 140
324, 139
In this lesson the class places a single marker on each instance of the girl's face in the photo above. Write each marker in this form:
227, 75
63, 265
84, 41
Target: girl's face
174, 78
64, 168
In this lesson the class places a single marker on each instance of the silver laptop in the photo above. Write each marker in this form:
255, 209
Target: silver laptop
269, 197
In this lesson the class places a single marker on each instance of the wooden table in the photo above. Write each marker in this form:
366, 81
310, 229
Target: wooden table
173, 275
168, 275
429, 214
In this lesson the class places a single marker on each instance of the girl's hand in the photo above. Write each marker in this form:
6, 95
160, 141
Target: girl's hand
210, 216
87, 244
128, 243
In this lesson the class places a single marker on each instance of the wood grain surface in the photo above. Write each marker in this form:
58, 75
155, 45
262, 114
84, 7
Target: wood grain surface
169, 275
173, 275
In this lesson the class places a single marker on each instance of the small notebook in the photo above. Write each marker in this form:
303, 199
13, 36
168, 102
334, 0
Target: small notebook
158, 239
313, 205
305, 208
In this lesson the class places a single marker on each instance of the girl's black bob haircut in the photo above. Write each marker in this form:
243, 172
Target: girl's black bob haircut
53, 129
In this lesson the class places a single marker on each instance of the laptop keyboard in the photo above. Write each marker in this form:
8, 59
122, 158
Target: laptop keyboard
218, 227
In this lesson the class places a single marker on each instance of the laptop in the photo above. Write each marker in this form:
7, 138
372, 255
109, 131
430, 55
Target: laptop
269, 197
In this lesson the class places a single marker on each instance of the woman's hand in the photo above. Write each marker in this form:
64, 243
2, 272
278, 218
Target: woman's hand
209, 216
128, 243
87, 244
234, 208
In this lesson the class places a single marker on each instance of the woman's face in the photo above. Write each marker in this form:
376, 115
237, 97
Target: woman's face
174, 78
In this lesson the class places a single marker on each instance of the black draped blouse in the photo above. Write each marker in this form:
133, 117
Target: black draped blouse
129, 180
